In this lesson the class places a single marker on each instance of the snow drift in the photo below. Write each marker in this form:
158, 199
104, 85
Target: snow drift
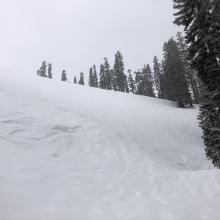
76, 153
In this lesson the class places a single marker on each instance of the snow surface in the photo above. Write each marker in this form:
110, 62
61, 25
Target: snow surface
70, 152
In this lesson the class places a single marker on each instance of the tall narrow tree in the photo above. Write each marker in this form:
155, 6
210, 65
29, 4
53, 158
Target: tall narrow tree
81, 79
157, 76
201, 20
49, 71
96, 83
75, 80
190, 73
131, 82
119, 77
174, 71
91, 78
102, 77
43, 69
63, 76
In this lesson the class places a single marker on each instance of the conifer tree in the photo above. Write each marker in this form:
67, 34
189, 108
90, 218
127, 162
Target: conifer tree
107, 75
126, 84
96, 83
102, 77
157, 76
201, 20
63, 76
131, 82
81, 79
91, 78
119, 77
174, 72
43, 69
49, 71
75, 80
190, 73
138, 82
150, 82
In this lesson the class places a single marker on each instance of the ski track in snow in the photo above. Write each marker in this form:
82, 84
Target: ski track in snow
76, 153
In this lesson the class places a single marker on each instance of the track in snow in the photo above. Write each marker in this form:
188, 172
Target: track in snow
70, 152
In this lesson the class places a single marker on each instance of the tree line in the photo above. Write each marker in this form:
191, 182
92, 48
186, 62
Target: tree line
172, 78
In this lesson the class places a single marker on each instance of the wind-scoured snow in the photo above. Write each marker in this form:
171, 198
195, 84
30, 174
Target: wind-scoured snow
70, 152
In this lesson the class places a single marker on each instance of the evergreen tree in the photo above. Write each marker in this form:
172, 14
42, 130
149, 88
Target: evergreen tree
119, 77
63, 76
95, 76
150, 82
102, 77
91, 78
81, 79
190, 73
75, 80
107, 75
144, 82
202, 26
138, 82
126, 85
131, 82
49, 71
174, 72
157, 76
43, 69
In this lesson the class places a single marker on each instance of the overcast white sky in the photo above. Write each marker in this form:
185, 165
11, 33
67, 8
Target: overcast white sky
75, 34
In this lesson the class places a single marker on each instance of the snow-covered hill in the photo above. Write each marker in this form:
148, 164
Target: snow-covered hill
69, 152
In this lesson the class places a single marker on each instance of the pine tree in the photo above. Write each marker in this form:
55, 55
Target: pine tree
144, 82
131, 83
107, 75
157, 76
150, 83
96, 83
81, 79
126, 84
75, 80
119, 77
91, 78
49, 71
102, 77
43, 69
174, 72
201, 20
138, 82
63, 76
190, 74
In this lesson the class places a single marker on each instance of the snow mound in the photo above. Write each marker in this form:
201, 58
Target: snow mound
76, 153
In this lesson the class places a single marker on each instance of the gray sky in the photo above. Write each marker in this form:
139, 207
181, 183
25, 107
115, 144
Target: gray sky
75, 34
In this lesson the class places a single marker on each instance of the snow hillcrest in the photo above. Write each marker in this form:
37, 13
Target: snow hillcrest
70, 152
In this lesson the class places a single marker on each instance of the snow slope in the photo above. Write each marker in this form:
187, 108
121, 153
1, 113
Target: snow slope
69, 152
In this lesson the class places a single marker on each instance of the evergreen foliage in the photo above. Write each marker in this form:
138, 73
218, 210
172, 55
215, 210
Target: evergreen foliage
91, 77
75, 80
43, 69
81, 79
95, 77
102, 78
49, 71
202, 26
144, 81
131, 83
157, 76
175, 84
190, 73
119, 77
107, 75
63, 76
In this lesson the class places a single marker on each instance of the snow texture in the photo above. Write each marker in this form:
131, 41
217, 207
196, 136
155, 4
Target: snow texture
70, 152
